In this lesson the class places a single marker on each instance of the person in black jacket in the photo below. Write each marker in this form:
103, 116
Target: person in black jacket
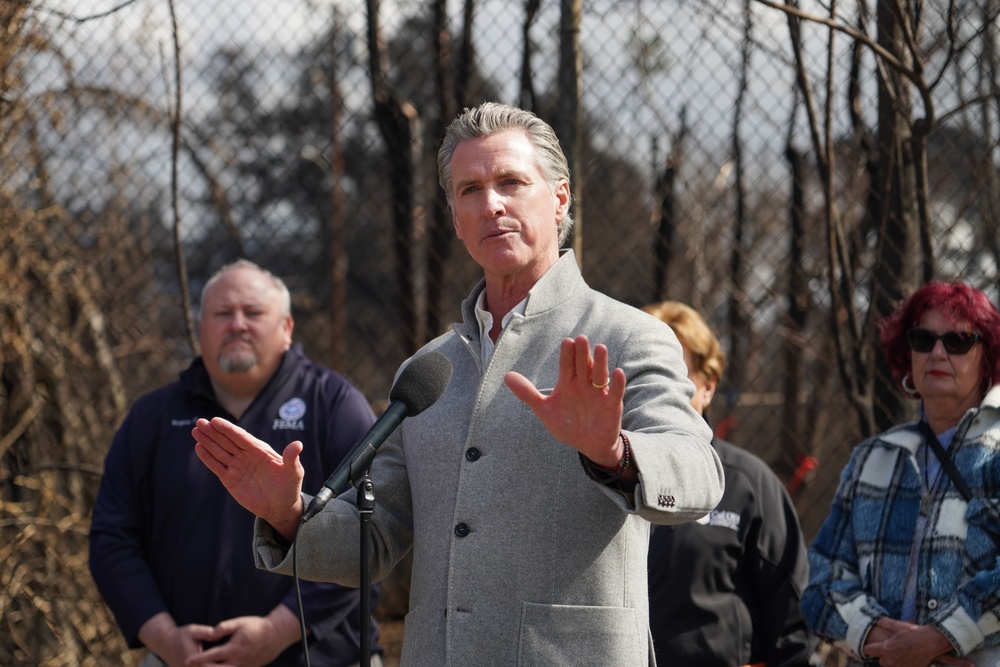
725, 590
168, 545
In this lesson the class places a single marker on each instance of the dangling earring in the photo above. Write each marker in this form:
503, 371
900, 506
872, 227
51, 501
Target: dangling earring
907, 384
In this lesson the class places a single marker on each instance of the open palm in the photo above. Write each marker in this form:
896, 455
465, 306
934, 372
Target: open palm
584, 409
264, 482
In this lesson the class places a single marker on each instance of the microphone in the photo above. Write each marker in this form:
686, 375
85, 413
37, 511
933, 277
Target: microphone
419, 386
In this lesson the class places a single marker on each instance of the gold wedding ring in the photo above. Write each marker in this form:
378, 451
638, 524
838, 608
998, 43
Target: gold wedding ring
600, 386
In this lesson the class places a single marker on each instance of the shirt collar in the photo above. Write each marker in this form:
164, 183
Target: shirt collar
485, 320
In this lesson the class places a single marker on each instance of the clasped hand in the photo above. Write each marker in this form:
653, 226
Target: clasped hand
901, 644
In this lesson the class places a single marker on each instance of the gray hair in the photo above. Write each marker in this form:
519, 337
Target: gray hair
285, 298
491, 118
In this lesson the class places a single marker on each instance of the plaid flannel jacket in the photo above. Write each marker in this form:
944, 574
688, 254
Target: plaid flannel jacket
860, 557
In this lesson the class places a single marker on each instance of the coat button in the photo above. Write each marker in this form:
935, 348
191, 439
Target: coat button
473, 453
462, 529
932, 604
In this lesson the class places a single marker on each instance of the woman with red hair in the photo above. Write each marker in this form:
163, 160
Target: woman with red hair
906, 568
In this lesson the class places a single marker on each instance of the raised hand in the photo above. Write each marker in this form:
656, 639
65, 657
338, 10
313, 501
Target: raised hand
264, 482
585, 408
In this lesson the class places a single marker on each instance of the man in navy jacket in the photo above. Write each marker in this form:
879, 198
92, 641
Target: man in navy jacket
168, 544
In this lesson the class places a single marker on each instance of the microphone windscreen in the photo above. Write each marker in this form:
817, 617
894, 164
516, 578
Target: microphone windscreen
421, 382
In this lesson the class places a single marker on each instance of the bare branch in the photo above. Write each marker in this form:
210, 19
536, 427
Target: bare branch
175, 133
81, 19
884, 56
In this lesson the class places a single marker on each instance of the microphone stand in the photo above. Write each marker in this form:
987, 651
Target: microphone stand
365, 502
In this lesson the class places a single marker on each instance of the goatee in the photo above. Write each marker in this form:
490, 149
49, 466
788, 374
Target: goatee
238, 362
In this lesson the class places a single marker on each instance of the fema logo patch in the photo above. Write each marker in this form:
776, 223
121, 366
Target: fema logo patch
292, 409
290, 416
721, 518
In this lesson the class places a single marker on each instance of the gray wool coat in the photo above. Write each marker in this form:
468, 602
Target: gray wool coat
518, 557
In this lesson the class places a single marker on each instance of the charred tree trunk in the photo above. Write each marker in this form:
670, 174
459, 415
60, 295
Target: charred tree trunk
527, 97
440, 233
738, 322
568, 116
337, 223
897, 270
989, 66
846, 331
798, 300
465, 57
396, 119
665, 216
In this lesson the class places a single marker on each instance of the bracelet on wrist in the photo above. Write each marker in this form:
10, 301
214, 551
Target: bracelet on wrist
606, 475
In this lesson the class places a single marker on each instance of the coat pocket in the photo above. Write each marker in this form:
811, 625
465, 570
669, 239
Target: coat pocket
575, 636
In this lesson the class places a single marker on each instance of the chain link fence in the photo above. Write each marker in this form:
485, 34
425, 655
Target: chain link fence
788, 172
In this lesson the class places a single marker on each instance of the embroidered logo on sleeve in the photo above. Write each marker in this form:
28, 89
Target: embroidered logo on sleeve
665, 501
290, 416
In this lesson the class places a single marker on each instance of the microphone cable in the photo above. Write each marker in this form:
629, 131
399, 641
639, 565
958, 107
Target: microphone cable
298, 600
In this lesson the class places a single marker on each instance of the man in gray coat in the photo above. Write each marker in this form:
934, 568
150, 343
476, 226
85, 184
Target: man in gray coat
527, 489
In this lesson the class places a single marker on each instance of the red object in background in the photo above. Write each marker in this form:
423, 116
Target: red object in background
806, 464
724, 426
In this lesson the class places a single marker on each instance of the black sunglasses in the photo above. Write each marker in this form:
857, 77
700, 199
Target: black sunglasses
955, 342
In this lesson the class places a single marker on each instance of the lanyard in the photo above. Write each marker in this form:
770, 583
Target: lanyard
946, 462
